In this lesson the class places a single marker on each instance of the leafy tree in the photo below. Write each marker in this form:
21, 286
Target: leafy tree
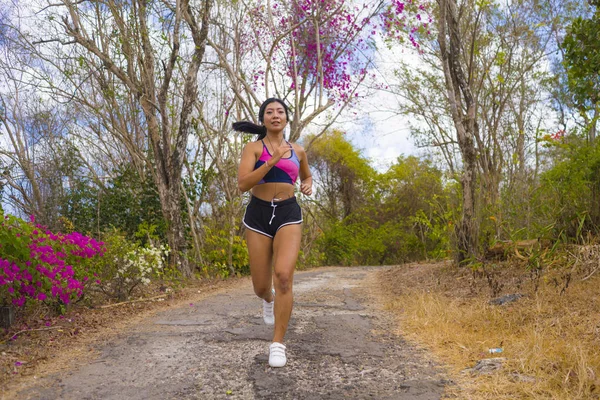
582, 62
126, 202
377, 218
345, 178
133, 66
414, 209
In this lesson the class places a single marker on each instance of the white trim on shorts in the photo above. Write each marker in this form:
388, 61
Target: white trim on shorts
289, 223
256, 230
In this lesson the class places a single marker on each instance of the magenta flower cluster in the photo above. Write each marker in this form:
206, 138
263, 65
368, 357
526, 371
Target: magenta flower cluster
38, 264
405, 18
340, 44
328, 45
325, 42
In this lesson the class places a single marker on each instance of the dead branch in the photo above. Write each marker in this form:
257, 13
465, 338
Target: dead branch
31, 330
503, 248
133, 301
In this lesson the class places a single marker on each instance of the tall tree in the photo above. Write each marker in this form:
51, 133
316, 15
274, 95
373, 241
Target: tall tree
137, 51
484, 82
463, 111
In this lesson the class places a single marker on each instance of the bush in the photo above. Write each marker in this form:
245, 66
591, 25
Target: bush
570, 190
127, 265
358, 240
216, 258
339, 245
39, 265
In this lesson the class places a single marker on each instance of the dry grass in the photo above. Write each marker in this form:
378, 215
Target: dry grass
550, 340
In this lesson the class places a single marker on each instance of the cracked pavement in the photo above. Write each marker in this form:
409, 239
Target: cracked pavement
340, 345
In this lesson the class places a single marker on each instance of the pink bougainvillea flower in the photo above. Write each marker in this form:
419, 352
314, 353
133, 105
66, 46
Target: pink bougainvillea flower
20, 302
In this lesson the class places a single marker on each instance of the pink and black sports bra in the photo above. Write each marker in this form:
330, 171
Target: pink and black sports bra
286, 169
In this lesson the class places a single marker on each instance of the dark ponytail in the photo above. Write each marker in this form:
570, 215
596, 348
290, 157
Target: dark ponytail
250, 127
260, 130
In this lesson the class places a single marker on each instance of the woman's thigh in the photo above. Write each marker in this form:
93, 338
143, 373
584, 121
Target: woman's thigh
286, 246
260, 253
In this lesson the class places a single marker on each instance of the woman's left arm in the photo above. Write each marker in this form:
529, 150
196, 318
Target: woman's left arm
305, 175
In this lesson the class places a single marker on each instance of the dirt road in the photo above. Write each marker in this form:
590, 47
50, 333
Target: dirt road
340, 346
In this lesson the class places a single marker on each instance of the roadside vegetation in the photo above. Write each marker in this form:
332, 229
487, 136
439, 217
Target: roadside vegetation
548, 337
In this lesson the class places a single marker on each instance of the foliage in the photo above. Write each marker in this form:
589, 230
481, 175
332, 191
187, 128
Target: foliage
126, 202
363, 242
415, 197
39, 265
385, 218
341, 243
570, 189
345, 176
127, 265
582, 58
216, 257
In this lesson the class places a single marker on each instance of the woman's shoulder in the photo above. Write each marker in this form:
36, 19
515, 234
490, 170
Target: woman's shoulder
297, 148
256, 146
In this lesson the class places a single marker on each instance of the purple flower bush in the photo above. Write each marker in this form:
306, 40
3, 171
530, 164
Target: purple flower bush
37, 265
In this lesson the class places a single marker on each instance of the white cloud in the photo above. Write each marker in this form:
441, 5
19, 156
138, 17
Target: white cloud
375, 127
381, 135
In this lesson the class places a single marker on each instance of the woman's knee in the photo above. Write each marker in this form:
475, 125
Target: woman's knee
283, 282
262, 291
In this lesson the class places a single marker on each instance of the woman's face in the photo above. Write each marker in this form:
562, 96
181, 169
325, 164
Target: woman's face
275, 118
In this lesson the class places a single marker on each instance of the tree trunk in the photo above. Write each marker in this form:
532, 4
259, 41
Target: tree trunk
460, 99
167, 134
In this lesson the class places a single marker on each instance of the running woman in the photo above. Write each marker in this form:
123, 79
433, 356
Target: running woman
269, 169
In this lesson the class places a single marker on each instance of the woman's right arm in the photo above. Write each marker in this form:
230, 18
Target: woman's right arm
248, 177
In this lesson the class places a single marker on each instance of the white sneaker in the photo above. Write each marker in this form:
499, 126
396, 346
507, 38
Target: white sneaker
277, 356
268, 316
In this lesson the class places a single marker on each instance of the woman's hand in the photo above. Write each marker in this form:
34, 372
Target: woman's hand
279, 153
306, 180
306, 186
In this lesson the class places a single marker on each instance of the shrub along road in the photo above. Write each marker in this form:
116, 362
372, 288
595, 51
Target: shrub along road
340, 344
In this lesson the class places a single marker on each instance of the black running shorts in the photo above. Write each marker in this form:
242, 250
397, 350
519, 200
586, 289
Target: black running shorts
268, 217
